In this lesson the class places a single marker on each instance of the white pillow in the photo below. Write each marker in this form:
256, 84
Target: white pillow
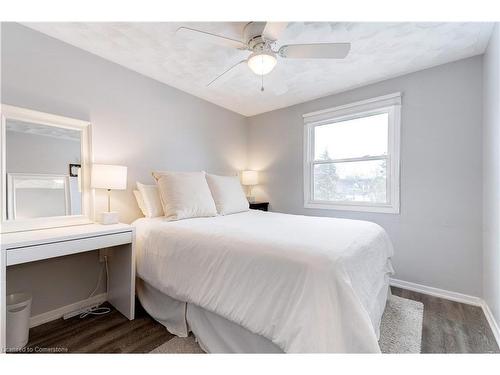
158, 174
227, 193
151, 199
185, 195
140, 201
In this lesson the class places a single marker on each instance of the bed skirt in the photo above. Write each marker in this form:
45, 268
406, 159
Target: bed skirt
214, 333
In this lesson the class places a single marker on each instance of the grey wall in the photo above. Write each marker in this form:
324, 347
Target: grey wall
47, 155
491, 174
437, 236
136, 121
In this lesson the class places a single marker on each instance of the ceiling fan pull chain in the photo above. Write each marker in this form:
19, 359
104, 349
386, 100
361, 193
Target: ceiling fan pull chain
262, 75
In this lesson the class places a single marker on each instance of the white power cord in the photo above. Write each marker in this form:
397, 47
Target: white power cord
96, 310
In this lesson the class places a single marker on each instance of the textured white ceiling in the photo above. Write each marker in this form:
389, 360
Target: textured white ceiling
44, 130
379, 51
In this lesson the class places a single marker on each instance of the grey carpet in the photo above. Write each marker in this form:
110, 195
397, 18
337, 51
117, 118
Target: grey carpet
401, 326
400, 330
179, 345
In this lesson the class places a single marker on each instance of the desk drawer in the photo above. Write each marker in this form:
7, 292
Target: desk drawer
61, 248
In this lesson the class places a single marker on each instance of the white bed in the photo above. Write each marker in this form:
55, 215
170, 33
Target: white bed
266, 282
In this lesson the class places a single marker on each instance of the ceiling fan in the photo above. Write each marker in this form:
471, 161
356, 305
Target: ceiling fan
259, 38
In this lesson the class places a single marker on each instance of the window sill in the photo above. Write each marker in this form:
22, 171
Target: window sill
352, 207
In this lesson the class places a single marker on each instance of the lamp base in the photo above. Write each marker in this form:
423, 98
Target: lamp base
108, 218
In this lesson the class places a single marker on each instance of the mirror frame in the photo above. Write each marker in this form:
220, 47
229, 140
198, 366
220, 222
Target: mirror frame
27, 115
12, 178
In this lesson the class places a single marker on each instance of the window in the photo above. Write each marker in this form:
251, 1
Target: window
351, 156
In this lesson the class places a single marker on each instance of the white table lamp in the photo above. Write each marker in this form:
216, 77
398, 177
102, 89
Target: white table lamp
250, 179
109, 177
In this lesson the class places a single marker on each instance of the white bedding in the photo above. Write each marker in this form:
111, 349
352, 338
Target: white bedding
308, 284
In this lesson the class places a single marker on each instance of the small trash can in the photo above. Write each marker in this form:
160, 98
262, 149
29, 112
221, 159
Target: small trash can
18, 320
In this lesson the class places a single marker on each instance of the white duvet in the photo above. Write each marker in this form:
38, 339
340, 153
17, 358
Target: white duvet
308, 284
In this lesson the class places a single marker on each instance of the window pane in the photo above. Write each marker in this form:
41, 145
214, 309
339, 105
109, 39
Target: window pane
366, 136
361, 181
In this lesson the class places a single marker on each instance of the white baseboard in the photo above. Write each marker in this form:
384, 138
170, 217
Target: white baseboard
453, 296
61, 311
436, 292
492, 321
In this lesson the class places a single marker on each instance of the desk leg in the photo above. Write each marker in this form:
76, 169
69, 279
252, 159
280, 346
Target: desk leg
121, 266
3, 299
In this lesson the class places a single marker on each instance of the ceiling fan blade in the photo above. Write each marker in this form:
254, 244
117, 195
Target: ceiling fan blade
211, 38
226, 71
315, 51
273, 30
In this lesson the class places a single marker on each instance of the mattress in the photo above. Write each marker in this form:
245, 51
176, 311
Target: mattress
306, 284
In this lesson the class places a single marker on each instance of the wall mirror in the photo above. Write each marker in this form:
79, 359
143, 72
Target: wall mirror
45, 170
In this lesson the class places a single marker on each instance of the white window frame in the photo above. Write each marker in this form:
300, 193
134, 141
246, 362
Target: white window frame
390, 104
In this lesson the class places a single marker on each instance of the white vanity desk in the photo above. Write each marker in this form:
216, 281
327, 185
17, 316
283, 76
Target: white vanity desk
47, 206
30, 246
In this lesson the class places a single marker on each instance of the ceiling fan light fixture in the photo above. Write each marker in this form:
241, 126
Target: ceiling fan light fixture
262, 63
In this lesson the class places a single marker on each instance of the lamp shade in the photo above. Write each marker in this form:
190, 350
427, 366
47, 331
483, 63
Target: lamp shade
249, 178
112, 177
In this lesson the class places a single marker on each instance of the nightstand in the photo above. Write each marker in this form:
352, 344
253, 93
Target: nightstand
263, 206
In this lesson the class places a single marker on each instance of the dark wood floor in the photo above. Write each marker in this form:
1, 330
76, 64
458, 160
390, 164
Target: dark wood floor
110, 333
452, 327
448, 327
